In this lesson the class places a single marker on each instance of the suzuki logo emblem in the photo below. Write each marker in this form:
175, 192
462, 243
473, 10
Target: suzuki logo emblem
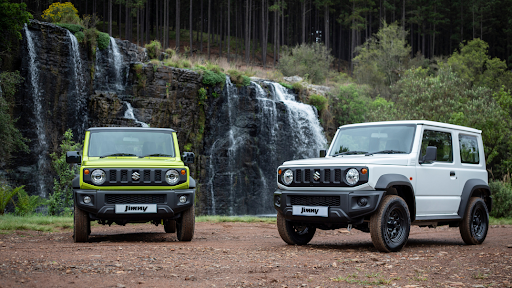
316, 176
135, 176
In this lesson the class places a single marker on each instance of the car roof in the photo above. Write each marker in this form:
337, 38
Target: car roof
142, 129
417, 122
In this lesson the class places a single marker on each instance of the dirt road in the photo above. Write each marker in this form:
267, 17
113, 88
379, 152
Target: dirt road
251, 255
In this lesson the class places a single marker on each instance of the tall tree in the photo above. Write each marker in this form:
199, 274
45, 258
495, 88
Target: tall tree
202, 28
177, 26
110, 17
229, 27
263, 34
247, 30
209, 24
190, 32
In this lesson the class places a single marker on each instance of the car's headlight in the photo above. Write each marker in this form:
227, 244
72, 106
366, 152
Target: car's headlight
352, 176
98, 177
172, 177
288, 177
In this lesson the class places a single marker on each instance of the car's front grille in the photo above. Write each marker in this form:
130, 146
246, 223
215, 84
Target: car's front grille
315, 200
134, 199
136, 176
324, 177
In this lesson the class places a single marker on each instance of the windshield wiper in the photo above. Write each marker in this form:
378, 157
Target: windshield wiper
349, 153
118, 154
386, 152
156, 155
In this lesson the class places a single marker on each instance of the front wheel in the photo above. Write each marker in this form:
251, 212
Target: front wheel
390, 224
82, 225
475, 224
293, 233
185, 225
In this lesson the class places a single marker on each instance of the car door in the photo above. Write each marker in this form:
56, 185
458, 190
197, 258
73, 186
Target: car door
438, 188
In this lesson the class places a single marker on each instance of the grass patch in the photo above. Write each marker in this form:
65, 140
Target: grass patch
500, 221
9, 222
244, 219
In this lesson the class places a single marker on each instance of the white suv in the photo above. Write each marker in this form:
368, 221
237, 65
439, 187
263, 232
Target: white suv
382, 177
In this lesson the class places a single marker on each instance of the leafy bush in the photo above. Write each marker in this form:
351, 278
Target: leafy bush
25, 204
6, 194
80, 36
310, 61
178, 63
501, 192
154, 49
170, 52
188, 147
61, 200
73, 28
213, 78
349, 104
61, 12
103, 40
289, 86
298, 87
13, 17
319, 101
238, 78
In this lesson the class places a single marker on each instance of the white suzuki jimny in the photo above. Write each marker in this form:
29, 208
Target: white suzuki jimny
382, 177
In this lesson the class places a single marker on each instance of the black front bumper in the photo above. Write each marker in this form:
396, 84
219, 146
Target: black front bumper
346, 210
104, 202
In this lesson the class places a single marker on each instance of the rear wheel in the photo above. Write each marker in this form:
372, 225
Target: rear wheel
185, 225
293, 233
390, 224
170, 226
475, 224
82, 225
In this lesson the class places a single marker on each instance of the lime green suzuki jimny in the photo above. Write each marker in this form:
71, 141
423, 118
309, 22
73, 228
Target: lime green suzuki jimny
133, 175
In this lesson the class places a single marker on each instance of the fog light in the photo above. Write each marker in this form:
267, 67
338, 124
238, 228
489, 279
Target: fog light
183, 199
87, 199
277, 201
362, 201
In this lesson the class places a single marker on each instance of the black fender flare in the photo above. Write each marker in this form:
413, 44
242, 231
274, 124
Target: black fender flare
191, 182
76, 182
467, 192
388, 180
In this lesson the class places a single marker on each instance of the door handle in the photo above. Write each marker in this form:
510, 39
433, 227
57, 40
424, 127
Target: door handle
452, 173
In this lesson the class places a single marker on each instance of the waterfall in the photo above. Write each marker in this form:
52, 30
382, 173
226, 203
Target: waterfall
128, 114
77, 89
41, 147
252, 134
118, 64
109, 68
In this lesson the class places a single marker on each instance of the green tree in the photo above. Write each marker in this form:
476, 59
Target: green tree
349, 104
311, 61
13, 17
61, 200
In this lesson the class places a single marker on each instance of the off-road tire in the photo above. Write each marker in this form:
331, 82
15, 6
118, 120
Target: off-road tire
390, 224
170, 226
82, 225
475, 224
292, 233
185, 225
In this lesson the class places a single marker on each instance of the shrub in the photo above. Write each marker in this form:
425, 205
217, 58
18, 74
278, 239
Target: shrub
73, 28
501, 192
103, 40
188, 147
319, 101
6, 194
238, 78
289, 86
312, 60
213, 78
61, 12
349, 104
61, 200
298, 87
80, 36
26, 205
154, 49
170, 52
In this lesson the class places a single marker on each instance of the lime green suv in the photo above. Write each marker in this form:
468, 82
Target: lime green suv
133, 175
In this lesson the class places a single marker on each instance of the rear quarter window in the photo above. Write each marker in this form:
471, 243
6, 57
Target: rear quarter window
469, 149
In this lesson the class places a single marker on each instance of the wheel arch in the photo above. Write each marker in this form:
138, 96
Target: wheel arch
474, 188
397, 184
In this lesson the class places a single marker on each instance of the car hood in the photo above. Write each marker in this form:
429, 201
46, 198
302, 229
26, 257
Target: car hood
378, 159
131, 162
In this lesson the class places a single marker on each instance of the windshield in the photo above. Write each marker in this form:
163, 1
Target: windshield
131, 143
385, 139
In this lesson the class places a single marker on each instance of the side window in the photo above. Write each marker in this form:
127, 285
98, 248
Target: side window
441, 140
469, 149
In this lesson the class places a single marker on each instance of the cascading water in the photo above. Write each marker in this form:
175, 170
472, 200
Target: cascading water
128, 114
253, 133
41, 147
77, 89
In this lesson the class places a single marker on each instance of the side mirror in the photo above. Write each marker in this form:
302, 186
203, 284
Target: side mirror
188, 157
73, 157
323, 153
430, 155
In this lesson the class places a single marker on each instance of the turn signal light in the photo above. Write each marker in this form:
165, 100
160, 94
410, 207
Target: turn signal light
364, 171
183, 172
86, 171
279, 172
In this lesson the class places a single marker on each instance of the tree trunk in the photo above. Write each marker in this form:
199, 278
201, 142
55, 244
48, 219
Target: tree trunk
247, 41
110, 17
263, 35
326, 18
202, 28
209, 24
126, 22
303, 21
177, 26
191, 31
119, 20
